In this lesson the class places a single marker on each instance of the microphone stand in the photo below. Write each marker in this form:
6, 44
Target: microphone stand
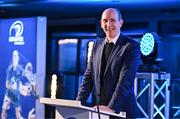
97, 104
97, 101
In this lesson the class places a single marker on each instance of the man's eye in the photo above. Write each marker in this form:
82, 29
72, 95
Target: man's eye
104, 21
113, 20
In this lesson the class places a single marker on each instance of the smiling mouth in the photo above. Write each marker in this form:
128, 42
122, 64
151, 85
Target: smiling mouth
109, 30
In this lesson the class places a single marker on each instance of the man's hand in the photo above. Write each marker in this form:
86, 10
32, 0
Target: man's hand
104, 108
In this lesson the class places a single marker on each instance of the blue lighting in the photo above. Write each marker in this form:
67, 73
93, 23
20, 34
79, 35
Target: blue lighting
112, 1
147, 44
81, 1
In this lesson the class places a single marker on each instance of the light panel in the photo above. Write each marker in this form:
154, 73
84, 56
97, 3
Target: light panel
147, 44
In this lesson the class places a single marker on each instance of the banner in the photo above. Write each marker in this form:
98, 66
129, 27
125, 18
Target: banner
18, 71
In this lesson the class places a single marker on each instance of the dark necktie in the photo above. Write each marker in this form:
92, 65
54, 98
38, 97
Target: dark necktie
107, 50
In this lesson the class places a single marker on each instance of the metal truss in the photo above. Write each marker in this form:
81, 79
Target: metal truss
155, 90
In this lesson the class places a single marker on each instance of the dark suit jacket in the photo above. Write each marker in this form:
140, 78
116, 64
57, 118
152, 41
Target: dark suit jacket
118, 77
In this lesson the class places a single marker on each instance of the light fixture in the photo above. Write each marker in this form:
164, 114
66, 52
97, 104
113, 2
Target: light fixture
151, 55
53, 86
90, 47
147, 44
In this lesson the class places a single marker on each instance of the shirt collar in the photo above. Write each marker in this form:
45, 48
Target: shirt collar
114, 40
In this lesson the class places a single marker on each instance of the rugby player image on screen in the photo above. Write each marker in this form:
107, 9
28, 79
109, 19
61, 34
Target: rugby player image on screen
12, 95
20, 82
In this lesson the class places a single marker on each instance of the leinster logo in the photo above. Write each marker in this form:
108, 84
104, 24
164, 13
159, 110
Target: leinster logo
15, 33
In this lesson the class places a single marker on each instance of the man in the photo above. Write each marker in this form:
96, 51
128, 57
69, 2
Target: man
12, 95
112, 68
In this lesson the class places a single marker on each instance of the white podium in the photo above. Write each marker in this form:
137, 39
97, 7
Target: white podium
71, 109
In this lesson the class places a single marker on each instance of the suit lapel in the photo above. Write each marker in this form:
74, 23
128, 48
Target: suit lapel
113, 53
100, 53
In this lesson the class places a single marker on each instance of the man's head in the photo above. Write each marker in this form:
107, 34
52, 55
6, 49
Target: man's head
28, 69
111, 22
15, 58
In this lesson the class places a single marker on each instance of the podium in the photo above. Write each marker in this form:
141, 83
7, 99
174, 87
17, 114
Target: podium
71, 109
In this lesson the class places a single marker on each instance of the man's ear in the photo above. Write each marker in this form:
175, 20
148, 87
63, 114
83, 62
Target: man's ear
121, 22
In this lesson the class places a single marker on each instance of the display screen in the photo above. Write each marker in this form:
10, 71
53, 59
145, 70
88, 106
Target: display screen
67, 55
18, 42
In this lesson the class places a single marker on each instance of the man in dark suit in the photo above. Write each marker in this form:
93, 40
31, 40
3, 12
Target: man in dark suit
112, 68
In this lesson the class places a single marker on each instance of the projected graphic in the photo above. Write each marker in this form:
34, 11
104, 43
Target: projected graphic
15, 33
18, 51
20, 81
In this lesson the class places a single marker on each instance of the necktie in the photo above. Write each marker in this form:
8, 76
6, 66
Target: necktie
107, 50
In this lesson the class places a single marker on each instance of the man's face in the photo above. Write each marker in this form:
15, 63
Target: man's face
15, 58
110, 23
